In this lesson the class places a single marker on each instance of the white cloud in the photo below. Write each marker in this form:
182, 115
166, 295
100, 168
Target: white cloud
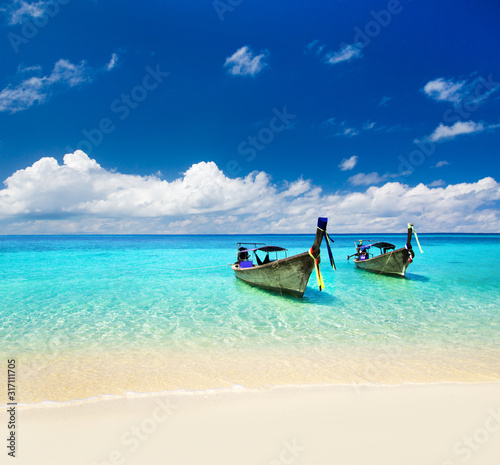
27, 69
348, 163
37, 89
329, 122
471, 91
112, 62
384, 101
363, 179
346, 53
437, 183
19, 11
343, 128
80, 196
315, 47
243, 62
444, 90
68, 73
349, 132
441, 163
443, 132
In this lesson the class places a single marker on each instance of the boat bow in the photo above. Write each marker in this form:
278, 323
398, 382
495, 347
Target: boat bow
288, 275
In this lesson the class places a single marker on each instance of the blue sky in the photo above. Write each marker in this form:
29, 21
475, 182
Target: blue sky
236, 115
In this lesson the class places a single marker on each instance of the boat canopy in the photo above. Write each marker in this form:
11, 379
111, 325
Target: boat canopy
384, 245
380, 245
267, 249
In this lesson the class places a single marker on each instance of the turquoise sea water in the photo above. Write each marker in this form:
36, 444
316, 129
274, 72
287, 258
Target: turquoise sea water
102, 295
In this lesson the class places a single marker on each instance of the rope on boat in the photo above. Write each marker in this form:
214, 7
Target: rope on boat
330, 255
210, 266
416, 237
321, 284
388, 258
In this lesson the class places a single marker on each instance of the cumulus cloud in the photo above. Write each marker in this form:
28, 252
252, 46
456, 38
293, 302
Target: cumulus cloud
81, 186
443, 132
244, 62
19, 11
348, 163
80, 196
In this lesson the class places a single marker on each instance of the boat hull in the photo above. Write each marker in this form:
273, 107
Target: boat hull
287, 276
392, 263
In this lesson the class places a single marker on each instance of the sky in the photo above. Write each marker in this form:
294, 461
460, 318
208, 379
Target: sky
239, 116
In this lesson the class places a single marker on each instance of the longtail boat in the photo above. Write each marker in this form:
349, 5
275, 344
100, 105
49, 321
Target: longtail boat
288, 275
389, 261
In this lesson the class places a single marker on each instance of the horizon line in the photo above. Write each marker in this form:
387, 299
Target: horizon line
241, 234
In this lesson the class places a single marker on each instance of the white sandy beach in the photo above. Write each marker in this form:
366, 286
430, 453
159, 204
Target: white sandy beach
441, 424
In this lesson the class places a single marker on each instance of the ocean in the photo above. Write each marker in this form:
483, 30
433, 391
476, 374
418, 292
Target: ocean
92, 316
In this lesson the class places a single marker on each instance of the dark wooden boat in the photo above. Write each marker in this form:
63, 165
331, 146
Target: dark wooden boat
389, 261
288, 275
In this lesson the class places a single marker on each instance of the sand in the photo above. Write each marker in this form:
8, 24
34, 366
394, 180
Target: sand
80, 376
431, 424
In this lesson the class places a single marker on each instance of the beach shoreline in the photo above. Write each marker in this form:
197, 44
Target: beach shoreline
82, 376
348, 424
118, 361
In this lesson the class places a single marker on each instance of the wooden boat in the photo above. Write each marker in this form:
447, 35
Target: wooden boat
389, 261
288, 275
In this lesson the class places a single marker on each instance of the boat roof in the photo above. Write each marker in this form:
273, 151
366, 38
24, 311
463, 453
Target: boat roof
380, 245
266, 248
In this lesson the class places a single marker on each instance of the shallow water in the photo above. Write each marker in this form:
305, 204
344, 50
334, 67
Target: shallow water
91, 315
